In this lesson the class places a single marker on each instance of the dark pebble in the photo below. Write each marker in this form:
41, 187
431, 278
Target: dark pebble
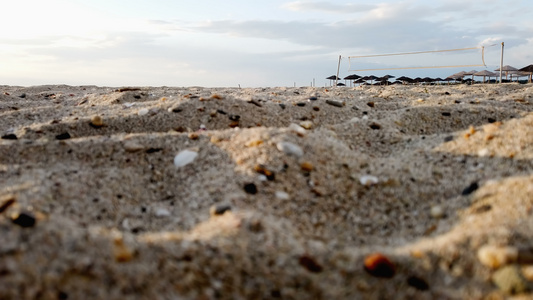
316, 108
220, 111
301, 104
470, 189
379, 265
446, 114
23, 95
282, 105
63, 136
218, 210
446, 93
313, 98
153, 150
418, 283
491, 120
448, 138
335, 103
370, 104
255, 103
375, 126
483, 208
234, 117
457, 101
6, 203
24, 219
9, 136
176, 109
310, 264
250, 188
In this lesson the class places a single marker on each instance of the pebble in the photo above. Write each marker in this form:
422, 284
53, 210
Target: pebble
313, 98
418, 283
6, 202
184, 158
218, 210
496, 257
470, 189
234, 117
143, 111
63, 136
306, 124
379, 265
310, 264
290, 149
282, 195
97, 122
282, 105
306, 166
250, 188
436, 212
162, 212
509, 280
368, 180
24, 219
299, 130
301, 104
9, 136
335, 103
261, 169
132, 146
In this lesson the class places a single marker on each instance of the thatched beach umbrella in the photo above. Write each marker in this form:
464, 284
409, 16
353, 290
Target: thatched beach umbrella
405, 79
528, 69
507, 69
484, 73
332, 77
351, 77
471, 72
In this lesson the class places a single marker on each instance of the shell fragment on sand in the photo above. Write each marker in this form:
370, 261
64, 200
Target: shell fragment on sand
184, 158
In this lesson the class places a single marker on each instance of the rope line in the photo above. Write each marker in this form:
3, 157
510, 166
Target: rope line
418, 52
406, 68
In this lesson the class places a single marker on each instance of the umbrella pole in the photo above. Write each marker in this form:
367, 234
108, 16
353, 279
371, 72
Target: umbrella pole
338, 69
501, 66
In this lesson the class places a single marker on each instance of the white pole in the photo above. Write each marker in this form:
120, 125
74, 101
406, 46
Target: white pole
501, 65
338, 68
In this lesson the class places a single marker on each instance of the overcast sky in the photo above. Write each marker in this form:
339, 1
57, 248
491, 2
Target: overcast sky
251, 43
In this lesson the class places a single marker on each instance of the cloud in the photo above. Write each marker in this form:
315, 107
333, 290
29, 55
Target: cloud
327, 7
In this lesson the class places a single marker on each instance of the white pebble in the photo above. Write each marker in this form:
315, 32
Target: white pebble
436, 212
290, 149
142, 111
483, 152
162, 212
299, 130
282, 195
306, 124
128, 104
495, 257
368, 180
184, 158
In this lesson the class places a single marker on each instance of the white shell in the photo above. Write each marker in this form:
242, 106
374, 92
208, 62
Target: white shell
282, 195
368, 180
184, 158
290, 149
162, 212
142, 111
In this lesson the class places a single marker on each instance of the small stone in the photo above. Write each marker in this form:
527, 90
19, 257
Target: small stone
121, 252
335, 103
97, 122
310, 264
282, 195
375, 126
379, 265
290, 149
6, 202
306, 166
261, 169
250, 188
483, 152
448, 138
509, 280
175, 108
470, 189
253, 143
234, 124
218, 210
234, 117
495, 257
371, 104
306, 124
193, 136
63, 136
446, 114
436, 212
418, 283
301, 104
23, 95
143, 111
313, 98
527, 272
162, 212
24, 219
184, 158
299, 130
132, 146
368, 180
282, 105
9, 136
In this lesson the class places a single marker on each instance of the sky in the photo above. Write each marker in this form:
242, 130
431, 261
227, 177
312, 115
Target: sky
213, 43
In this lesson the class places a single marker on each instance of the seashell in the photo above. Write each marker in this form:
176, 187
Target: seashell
184, 158
290, 149
368, 180
379, 265
495, 257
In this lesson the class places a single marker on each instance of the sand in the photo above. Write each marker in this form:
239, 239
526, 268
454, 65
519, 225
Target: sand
284, 194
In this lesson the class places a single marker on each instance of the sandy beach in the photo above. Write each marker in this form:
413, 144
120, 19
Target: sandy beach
373, 192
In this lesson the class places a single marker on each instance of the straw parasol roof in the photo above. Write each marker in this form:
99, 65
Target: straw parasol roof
485, 73
528, 69
507, 68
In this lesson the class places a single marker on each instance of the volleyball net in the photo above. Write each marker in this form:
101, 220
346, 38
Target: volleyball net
448, 58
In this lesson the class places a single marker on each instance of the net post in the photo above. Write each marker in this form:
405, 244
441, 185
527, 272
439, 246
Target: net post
501, 65
338, 69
